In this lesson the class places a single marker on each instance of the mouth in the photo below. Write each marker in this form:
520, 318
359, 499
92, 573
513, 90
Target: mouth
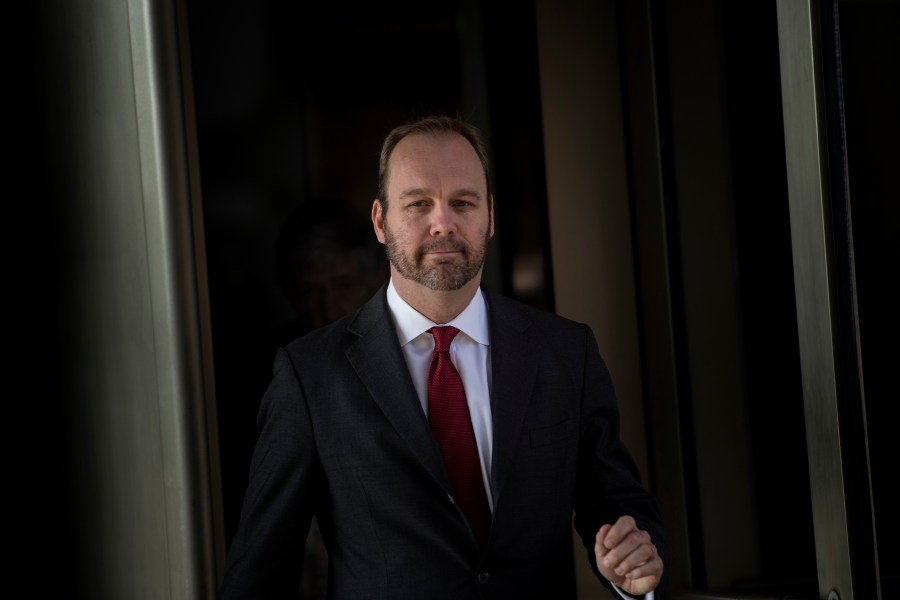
443, 257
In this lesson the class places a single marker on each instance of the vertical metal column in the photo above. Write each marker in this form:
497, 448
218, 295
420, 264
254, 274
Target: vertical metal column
135, 358
806, 150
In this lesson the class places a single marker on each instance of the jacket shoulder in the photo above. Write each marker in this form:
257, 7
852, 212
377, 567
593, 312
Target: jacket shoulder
337, 336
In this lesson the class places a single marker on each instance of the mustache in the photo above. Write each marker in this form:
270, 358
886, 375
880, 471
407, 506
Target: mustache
445, 245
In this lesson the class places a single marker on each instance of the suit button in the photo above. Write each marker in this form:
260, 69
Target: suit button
483, 577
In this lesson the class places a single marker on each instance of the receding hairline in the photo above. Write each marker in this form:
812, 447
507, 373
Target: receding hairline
435, 127
415, 190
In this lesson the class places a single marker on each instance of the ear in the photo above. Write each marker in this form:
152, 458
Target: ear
378, 220
491, 212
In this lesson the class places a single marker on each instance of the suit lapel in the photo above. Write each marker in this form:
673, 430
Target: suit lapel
514, 364
378, 360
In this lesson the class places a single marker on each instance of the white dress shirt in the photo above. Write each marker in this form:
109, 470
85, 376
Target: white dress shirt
469, 353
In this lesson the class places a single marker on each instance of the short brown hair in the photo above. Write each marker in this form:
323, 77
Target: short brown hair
433, 125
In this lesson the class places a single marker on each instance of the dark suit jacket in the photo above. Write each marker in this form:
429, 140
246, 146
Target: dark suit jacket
343, 436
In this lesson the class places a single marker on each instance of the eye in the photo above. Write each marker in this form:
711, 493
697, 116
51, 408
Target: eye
416, 203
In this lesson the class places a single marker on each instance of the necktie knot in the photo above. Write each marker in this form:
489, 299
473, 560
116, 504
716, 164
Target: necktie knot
443, 336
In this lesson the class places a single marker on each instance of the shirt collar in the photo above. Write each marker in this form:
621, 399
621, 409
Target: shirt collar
410, 323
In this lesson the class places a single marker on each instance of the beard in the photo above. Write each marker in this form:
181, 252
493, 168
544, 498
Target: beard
446, 275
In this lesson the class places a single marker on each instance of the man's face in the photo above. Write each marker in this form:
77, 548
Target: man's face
439, 219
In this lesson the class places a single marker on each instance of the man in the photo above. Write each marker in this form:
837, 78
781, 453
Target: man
443, 435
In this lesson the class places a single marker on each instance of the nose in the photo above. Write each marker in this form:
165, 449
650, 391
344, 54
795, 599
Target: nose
442, 220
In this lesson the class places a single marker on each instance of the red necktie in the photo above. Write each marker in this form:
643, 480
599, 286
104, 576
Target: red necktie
448, 414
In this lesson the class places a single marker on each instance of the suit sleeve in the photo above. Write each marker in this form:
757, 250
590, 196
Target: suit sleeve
265, 558
608, 481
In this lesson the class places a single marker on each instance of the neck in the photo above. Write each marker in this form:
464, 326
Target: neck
440, 307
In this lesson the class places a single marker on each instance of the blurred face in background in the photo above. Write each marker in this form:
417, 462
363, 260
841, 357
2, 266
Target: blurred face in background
331, 285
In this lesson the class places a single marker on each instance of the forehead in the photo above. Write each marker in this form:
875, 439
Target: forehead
443, 159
